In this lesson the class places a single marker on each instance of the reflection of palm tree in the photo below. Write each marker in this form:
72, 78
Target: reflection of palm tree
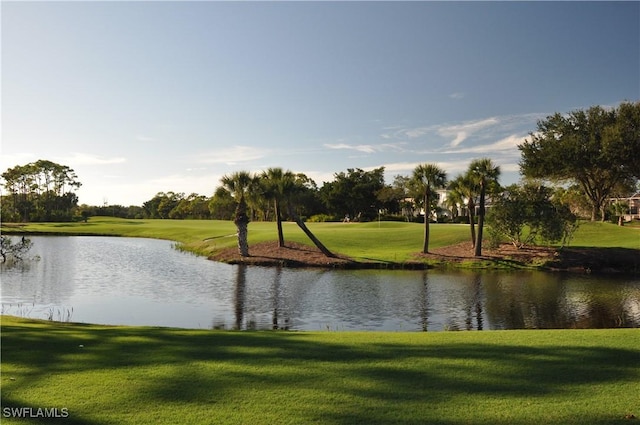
486, 174
275, 293
424, 302
426, 179
475, 304
239, 184
240, 294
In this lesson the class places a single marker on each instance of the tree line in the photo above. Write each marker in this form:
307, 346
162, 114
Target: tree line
579, 160
39, 191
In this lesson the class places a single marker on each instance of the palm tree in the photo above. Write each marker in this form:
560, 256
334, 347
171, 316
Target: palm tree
427, 178
239, 184
453, 201
465, 186
293, 185
281, 186
485, 173
277, 185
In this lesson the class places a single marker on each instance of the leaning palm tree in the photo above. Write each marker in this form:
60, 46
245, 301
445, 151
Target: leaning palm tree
426, 179
239, 184
293, 185
282, 186
485, 173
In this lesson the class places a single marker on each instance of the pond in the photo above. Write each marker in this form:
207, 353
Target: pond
130, 281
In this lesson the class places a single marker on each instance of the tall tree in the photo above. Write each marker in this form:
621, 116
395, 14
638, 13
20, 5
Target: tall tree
485, 174
427, 178
277, 183
354, 192
465, 186
626, 137
239, 184
595, 148
41, 191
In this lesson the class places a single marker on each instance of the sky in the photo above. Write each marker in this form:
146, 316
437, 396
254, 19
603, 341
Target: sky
146, 97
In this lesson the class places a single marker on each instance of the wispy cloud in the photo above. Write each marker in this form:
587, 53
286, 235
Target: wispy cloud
383, 147
359, 148
457, 95
398, 132
79, 158
477, 135
460, 132
233, 155
507, 144
457, 132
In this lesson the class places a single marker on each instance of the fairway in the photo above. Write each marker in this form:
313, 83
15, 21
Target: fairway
378, 241
138, 375
384, 242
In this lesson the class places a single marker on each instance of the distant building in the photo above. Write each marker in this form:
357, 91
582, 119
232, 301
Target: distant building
633, 213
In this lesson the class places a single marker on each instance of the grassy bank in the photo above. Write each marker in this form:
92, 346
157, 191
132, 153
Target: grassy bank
137, 375
394, 242
386, 241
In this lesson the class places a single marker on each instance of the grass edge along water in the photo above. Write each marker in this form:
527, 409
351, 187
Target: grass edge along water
393, 242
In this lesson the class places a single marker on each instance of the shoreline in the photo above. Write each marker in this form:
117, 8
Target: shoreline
459, 256
578, 260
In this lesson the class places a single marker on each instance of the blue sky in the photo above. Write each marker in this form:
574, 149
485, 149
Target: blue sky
142, 97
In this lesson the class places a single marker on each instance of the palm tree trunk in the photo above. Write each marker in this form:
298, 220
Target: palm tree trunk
472, 223
425, 245
310, 235
478, 247
279, 223
241, 221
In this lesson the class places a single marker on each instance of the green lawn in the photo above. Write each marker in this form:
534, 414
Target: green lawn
607, 235
139, 375
385, 241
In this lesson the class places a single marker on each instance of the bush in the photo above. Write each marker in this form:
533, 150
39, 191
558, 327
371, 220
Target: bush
530, 207
393, 217
321, 218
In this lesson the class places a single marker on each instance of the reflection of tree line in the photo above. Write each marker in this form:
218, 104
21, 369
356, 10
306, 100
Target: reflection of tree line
542, 303
547, 303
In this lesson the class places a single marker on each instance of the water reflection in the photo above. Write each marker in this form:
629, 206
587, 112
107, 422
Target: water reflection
139, 281
424, 302
473, 300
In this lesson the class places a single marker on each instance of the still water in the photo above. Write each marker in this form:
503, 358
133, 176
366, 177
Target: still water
131, 281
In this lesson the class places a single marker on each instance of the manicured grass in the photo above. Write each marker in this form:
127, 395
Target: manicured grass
607, 235
385, 241
138, 375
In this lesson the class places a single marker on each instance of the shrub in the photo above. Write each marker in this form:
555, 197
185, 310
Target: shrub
321, 218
